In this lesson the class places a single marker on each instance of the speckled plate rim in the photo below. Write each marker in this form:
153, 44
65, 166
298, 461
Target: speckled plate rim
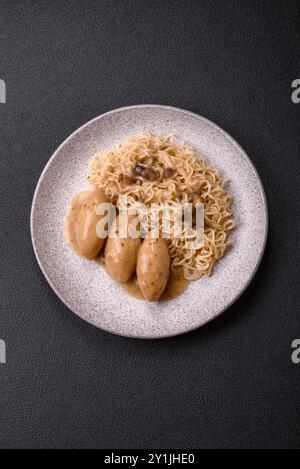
226, 136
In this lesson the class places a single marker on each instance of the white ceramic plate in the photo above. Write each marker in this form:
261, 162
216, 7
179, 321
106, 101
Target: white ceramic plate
84, 287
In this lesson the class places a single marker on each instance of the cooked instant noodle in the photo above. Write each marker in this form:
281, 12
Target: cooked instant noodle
150, 170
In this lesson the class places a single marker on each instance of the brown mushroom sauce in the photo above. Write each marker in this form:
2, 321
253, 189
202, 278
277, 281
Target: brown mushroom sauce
149, 173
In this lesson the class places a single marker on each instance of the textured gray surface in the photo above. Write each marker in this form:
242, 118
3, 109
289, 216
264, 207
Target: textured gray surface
86, 288
229, 384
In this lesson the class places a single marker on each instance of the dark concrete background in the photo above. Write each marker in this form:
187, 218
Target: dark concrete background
230, 384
